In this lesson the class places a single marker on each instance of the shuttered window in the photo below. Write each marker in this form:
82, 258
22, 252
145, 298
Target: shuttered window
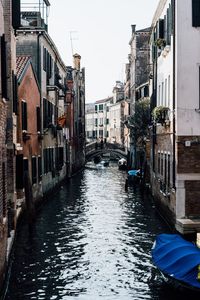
59, 158
4, 189
24, 115
44, 59
39, 168
19, 171
3, 67
16, 19
14, 84
45, 113
38, 118
195, 13
34, 170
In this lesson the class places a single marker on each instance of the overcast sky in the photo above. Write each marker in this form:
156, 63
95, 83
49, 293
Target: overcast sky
100, 31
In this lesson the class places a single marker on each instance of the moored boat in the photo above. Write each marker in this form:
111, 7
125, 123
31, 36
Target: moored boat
122, 164
178, 260
134, 176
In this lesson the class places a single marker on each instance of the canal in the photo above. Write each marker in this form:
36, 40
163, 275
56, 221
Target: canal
91, 240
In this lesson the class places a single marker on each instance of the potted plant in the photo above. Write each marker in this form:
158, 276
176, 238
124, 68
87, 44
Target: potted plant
160, 43
160, 114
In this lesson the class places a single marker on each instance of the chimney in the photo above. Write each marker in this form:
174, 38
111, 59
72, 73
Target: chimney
133, 28
77, 61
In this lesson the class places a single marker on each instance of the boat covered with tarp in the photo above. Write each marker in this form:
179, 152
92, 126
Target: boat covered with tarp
178, 259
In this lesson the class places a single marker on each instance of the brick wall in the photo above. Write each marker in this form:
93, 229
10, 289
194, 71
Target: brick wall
188, 157
3, 189
192, 198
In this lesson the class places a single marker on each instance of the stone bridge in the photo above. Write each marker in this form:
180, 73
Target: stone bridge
115, 151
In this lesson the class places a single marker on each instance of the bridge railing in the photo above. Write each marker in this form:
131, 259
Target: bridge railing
96, 146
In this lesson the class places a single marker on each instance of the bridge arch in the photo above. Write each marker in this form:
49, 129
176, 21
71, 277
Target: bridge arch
114, 150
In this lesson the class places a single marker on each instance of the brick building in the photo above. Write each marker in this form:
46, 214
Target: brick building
8, 88
76, 114
28, 130
33, 40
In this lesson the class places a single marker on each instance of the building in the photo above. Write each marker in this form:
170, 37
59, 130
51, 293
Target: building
90, 122
28, 149
106, 121
33, 40
102, 119
175, 168
137, 81
76, 114
8, 115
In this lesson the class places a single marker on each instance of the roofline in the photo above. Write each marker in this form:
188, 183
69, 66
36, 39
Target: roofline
47, 2
48, 38
158, 12
21, 76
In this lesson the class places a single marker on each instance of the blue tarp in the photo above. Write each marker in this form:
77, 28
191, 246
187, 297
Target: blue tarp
133, 172
177, 258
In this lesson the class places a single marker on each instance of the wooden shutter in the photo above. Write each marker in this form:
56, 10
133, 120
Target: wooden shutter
38, 118
3, 68
15, 96
16, 18
44, 59
34, 170
24, 115
195, 13
19, 171
39, 168
45, 113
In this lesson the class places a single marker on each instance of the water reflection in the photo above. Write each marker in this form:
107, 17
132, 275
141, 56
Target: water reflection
92, 240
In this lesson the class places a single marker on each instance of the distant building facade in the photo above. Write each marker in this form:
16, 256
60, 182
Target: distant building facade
137, 80
75, 101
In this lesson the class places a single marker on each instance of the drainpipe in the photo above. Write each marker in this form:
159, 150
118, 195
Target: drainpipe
174, 94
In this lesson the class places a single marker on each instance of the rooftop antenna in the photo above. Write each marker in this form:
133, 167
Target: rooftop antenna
72, 39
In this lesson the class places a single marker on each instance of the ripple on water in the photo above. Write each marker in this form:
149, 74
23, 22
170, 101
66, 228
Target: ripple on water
91, 241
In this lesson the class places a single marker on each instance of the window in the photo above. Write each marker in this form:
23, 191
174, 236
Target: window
24, 115
59, 158
101, 133
101, 107
168, 172
159, 96
168, 91
39, 168
19, 171
34, 170
15, 96
16, 20
96, 108
107, 121
44, 59
195, 13
96, 122
101, 122
48, 113
158, 168
162, 100
38, 118
3, 67
165, 104
4, 188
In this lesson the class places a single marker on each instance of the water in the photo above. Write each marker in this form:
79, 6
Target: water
91, 240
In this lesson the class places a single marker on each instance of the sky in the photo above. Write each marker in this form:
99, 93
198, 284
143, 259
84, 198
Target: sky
100, 31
